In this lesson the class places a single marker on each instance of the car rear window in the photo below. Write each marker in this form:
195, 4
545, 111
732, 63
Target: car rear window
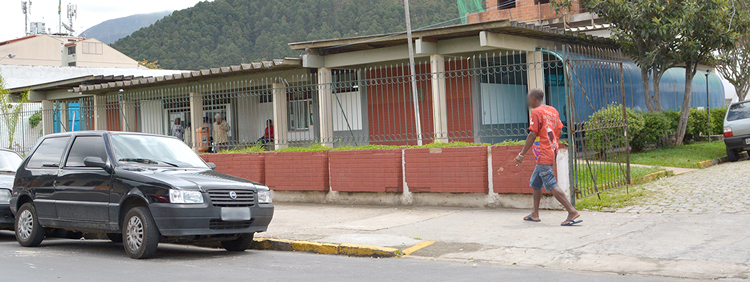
49, 153
738, 111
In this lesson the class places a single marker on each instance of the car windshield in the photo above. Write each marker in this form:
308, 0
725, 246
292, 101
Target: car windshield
9, 161
739, 111
154, 150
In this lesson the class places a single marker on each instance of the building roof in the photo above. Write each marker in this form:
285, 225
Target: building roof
278, 64
17, 39
333, 46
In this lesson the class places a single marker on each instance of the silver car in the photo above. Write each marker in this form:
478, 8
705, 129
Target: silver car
9, 162
737, 129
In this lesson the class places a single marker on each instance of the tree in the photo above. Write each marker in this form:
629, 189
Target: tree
734, 64
644, 36
150, 65
704, 27
10, 111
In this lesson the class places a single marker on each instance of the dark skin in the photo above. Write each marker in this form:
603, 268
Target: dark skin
559, 194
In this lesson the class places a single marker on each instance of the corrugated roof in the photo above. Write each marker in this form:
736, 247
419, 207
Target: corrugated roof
277, 64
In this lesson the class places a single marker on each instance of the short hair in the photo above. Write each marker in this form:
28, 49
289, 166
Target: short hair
217, 116
537, 94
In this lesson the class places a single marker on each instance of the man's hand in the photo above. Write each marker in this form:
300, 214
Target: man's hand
519, 159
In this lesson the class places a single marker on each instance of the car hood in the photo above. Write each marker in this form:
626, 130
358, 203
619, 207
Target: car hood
206, 179
6, 180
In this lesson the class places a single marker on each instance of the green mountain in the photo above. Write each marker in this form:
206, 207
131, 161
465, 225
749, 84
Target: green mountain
226, 32
111, 30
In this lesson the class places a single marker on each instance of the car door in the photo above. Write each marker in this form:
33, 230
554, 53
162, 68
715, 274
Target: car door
40, 173
82, 193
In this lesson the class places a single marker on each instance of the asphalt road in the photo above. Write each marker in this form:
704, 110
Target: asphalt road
98, 260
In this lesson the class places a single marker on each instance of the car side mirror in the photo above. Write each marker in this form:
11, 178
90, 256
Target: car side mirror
96, 162
211, 165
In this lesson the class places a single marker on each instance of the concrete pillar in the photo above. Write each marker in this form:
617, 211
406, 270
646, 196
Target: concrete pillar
48, 111
280, 117
64, 118
100, 112
439, 100
325, 106
535, 77
128, 116
196, 115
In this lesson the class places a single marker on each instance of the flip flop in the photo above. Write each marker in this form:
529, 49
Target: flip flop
570, 222
528, 218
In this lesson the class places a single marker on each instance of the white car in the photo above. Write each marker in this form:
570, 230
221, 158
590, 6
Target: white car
9, 162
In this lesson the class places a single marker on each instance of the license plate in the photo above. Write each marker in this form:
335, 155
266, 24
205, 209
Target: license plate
747, 141
235, 214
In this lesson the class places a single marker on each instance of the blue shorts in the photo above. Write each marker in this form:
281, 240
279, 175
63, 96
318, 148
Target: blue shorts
543, 176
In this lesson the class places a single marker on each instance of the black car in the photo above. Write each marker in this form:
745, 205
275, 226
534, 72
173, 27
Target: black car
139, 189
9, 162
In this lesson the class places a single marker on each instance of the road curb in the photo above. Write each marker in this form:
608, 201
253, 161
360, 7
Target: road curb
709, 163
652, 176
355, 250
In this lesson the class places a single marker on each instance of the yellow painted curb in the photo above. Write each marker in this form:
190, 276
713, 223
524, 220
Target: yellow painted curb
315, 247
705, 164
324, 248
367, 251
417, 247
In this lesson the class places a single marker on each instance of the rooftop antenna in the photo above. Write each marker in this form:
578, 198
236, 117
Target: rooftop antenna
72, 13
26, 8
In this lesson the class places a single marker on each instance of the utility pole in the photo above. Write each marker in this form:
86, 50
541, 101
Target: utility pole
59, 17
414, 93
708, 106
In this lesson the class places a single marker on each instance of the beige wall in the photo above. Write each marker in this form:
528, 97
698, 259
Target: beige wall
94, 53
41, 50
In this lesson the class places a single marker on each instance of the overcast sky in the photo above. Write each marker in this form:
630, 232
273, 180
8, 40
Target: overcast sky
90, 12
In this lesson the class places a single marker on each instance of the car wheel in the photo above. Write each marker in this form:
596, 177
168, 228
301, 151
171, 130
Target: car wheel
140, 236
240, 244
732, 155
115, 237
28, 231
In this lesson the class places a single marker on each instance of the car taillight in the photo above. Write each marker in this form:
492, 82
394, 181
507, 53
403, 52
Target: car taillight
728, 131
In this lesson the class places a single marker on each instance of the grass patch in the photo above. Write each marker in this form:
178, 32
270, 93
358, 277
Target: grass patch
608, 174
613, 199
251, 149
685, 156
319, 147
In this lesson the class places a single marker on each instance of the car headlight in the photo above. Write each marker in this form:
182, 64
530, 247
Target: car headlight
264, 196
5, 196
185, 197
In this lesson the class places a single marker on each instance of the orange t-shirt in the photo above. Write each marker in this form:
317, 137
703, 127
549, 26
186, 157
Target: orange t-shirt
545, 121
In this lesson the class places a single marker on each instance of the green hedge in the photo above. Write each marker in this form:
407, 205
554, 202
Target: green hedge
603, 132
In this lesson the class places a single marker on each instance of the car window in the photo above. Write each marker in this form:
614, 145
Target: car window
49, 153
738, 111
153, 150
85, 146
9, 161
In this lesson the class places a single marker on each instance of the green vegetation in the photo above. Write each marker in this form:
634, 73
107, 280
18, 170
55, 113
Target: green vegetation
609, 174
613, 199
319, 147
685, 156
602, 130
251, 149
222, 33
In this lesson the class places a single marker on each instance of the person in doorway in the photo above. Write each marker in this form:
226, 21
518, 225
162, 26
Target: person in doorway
177, 129
268, 136
544, 135
221, 127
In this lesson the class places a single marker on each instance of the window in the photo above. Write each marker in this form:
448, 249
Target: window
739, 111
506, 4
542, 2
71, 50
299, 115
345, 81
9, 161
85, 146
72, 64
49, 153
510, 69
94, 48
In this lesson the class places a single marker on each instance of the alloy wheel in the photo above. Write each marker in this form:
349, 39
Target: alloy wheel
134, 233
25, 224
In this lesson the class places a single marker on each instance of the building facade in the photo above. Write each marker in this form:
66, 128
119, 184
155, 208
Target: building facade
66, 51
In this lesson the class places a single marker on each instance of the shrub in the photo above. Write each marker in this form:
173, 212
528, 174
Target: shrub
604, 132
717, 120
656, 124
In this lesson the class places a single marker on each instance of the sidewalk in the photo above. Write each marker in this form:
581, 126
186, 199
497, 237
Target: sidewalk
674, 245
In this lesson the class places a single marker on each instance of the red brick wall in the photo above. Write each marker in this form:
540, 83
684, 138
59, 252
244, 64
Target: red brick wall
251, 166
298, 171
506, 176
366, 171
525, 11
447, 170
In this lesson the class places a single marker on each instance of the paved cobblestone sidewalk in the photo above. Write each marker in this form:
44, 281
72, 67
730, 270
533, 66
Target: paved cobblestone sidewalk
718, 189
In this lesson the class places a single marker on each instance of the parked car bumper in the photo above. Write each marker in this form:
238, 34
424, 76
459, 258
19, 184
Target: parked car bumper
6, 217
205, 219
737, 142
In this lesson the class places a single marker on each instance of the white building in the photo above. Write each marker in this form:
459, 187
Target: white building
56, 50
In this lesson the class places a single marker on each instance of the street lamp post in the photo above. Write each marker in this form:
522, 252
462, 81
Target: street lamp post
9, 56
708, 106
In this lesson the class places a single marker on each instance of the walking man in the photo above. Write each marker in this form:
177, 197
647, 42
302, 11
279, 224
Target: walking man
544, 135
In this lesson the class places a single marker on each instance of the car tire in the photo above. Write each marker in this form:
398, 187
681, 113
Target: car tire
29, 233
240, 244
115, 237
732, 155
140, 234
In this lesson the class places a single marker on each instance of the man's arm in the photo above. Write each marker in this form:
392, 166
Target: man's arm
529, 142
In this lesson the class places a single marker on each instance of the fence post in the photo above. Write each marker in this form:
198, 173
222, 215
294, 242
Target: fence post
325, 106
439, 103
535, 70
196, 116
64, 117
280, 116
129, 119
100, 112
48, 126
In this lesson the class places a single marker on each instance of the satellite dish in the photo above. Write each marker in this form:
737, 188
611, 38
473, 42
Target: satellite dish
68, 27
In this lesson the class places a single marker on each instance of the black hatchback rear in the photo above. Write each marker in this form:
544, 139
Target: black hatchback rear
139, 189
